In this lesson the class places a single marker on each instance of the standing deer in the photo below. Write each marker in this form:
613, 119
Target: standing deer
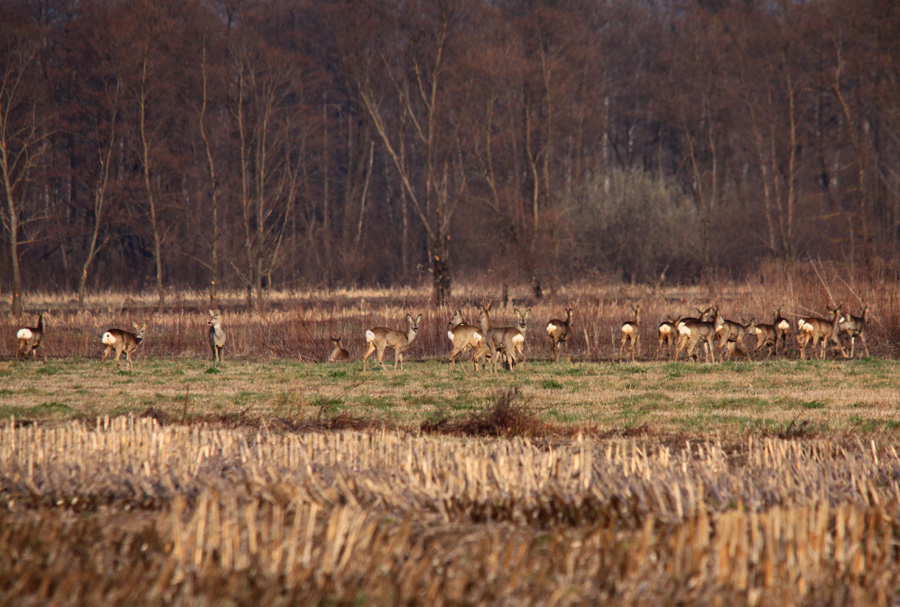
734, 352
765, 334
465, 337
216, 336
819, 330
122, 341
509, 340
668, 332
729, 331
855, 326
695, 330
631, 333
782, 330
339, 354
30, 339
381, 338
558, 330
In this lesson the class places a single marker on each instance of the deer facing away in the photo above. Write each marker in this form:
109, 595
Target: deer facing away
558, 330
819, 331
668, 332
631, 333
465, 337
382, 338
122, 341
216, 336
30, 339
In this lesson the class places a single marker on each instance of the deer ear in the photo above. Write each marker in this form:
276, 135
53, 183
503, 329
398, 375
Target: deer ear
135, 324
211, 313
418, 319
409, 317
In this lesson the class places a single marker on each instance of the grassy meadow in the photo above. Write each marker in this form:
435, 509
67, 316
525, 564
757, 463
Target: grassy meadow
278, 478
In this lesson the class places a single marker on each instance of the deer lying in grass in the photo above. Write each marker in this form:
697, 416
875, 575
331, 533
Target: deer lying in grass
465, 337
631, 333
216, 336
122, 341
820, 331
507, 340
782, 330
765, 334
339, 354
382, 338
855, 326
558, 330
30, 339
696, 330
668, 333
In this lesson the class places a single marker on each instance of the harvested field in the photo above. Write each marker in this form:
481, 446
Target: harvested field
130, 512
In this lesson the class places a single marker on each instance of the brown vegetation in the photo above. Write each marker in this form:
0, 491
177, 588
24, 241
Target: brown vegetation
127, 512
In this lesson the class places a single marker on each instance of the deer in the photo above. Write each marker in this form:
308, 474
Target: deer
819, 330
558, 330
695, 330
729, 331
465, 337
509, 340
855, 326
123, 341
782, 330
381, 338
631, 333
734, 352
765, 334
339, 354
668, 332
30, 339
216, 336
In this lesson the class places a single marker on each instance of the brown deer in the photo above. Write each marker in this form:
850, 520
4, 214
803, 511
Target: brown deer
558, 330
729, 330
339, 354
765, 334
216, 336
381, 338
668, 333
782, 330
820, 331
465, 337
734, 352
631, 333
122, 341
30, 339
696, 330
855, 326
508, 340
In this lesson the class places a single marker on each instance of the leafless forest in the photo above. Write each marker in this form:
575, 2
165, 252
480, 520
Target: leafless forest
209, 144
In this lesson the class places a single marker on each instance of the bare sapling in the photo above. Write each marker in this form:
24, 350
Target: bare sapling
29, 339
820, 331
558, 330
381, 338
465, 337
631, 333
668, 334
855, 326
216, 336
123, 341
339, 354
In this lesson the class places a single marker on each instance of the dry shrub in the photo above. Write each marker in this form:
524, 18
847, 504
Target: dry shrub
506, 416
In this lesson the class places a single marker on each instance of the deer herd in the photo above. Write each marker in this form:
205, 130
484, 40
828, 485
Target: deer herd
505, 345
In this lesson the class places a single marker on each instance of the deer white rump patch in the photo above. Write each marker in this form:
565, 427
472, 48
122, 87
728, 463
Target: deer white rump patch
784, 325
478, 338
683, 329
627, 329
370, 337
665, 329
108, 339
24, 334
450, 335
551, 327
518, 339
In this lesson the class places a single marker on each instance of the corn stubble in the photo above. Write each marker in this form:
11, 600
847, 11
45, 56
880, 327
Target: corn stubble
127, 511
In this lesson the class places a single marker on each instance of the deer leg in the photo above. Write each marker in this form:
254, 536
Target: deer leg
368, 353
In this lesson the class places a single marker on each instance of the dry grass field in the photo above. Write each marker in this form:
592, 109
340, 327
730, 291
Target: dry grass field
276, 478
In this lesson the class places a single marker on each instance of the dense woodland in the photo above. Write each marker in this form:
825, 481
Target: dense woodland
242, 144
